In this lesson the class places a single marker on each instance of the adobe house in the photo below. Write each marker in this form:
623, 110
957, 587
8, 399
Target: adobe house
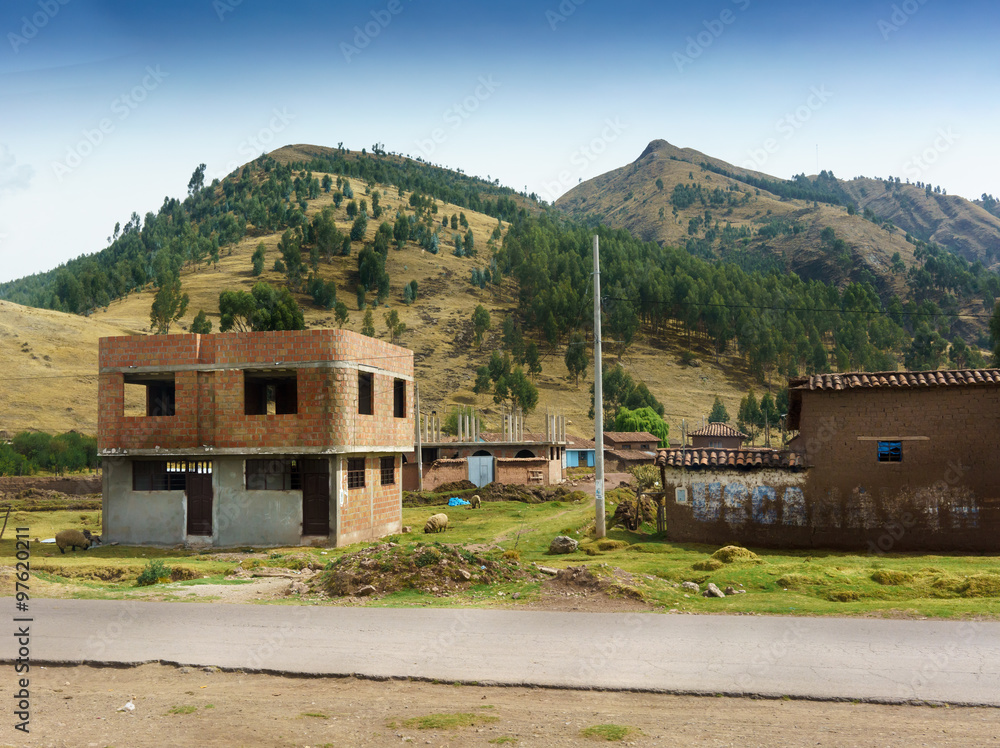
269, 438
717, 436
513, 456
901, 460
890, 461
750, 496
625, 449
580, 452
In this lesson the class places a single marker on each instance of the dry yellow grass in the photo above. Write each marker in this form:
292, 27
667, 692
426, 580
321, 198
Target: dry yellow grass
439, 331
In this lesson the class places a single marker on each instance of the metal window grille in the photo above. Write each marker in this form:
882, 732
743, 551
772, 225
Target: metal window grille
387, 468
356, 472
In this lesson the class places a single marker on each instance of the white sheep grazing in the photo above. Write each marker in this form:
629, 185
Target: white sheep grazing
475, 501
72, 539
437, 523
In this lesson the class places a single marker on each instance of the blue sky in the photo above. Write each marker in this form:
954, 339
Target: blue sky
107, 107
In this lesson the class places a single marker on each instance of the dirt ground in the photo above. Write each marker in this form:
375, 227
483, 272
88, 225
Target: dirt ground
79, 706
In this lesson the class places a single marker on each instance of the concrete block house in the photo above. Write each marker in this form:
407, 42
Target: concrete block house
890, 461
271, 438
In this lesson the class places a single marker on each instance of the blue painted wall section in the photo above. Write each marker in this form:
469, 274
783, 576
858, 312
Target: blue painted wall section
738, 503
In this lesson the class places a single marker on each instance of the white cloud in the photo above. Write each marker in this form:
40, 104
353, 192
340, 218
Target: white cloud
14, 177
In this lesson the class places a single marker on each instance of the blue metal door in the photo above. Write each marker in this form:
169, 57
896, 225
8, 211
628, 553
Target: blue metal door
481, 470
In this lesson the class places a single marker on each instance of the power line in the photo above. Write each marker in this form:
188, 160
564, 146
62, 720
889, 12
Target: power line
804, 309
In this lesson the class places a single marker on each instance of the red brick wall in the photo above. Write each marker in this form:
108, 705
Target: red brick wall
210, 404
373, 510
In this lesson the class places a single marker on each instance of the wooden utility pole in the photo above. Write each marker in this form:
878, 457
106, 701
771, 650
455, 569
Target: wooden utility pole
600, 530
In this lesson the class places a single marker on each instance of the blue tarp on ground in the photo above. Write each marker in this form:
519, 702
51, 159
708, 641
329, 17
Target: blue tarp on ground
455, 501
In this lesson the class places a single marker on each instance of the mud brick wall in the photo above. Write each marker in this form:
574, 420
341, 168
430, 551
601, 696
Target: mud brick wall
746, 507
943, 496
436, 474
517, 471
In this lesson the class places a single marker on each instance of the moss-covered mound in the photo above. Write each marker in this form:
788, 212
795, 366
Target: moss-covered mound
734, 553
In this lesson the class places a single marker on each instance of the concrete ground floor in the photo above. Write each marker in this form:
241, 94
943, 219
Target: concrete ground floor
259, 500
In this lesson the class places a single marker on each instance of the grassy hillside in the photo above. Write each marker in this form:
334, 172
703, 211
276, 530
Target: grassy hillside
49, 360
755, 227
439, 331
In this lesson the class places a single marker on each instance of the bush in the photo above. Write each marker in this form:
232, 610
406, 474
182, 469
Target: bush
155, 571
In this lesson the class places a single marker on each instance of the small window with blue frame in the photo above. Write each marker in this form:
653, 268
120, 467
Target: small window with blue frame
890, 451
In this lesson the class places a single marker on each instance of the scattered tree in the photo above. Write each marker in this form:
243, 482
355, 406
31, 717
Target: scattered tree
394, 325
531, 358
719, 413
168, 306
264, 308
201, 324
577, 358
340, 312
480, 322
258, 259
368, 325
749, 416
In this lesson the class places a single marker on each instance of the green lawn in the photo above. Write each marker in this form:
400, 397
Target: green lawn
779, 582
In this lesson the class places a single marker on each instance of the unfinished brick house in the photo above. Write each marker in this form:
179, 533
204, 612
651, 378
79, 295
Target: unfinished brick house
513, 456
271, 438
891, 461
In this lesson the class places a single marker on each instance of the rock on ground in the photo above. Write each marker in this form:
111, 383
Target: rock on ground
563, 544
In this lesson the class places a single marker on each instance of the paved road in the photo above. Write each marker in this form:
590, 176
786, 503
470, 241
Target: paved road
820, 658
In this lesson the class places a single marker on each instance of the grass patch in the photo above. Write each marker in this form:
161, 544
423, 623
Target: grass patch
709, 564
504, 740
890, 577
806, 582
186, 709
608, 544
315, 715
608, 732
449, 721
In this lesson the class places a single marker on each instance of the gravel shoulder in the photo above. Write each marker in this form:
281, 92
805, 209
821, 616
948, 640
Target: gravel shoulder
78, 706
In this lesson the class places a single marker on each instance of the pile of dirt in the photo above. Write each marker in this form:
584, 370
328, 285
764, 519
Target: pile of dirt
455, 486
616, 583
530, 494
428, 567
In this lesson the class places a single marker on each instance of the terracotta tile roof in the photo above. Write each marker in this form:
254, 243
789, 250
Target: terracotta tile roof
578, 442
630, 455
898, 379
719, 430
631, 436
746, 459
